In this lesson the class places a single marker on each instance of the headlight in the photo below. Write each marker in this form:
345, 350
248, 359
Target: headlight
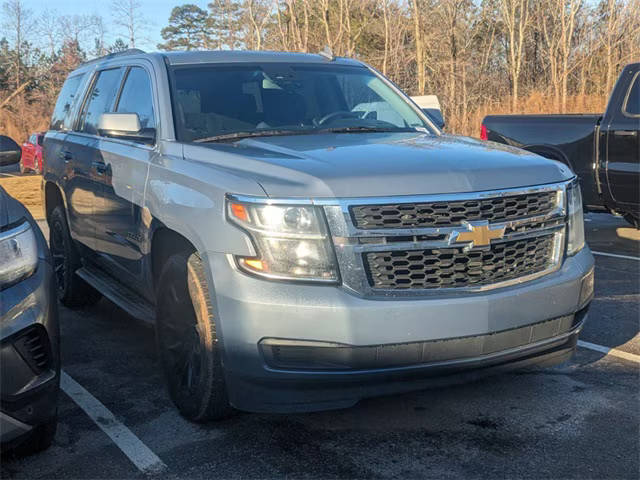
575, 238
18, 254
292, 241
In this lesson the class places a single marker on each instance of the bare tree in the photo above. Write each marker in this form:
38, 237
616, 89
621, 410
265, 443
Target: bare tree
17, 24
127, 15
257, 15
417, 28
515, 17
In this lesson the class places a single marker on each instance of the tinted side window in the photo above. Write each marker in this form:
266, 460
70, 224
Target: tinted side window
100, 100
7, 144
40, 139
65, 101
136, 97
633, 101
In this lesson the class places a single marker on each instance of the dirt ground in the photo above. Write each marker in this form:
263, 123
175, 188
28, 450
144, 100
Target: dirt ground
26, 189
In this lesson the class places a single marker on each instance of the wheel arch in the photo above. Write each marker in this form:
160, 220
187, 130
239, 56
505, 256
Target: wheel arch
52, 198
551, 152
164, 243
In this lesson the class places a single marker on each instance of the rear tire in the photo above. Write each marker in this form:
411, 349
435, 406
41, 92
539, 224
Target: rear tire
72, 290
187, 343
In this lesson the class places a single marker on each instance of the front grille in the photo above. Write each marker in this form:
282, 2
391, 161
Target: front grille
455, 267
447, 213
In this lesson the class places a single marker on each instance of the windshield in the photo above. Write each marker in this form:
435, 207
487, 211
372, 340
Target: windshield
225, 101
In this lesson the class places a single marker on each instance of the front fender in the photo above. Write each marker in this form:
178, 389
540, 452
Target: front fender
189, 197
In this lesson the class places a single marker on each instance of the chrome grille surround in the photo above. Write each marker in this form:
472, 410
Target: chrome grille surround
352, 244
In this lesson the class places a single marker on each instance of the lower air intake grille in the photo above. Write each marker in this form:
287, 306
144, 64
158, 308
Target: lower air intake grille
453, 267
34, 347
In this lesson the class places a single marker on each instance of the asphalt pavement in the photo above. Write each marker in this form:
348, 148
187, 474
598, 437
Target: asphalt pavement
577, 420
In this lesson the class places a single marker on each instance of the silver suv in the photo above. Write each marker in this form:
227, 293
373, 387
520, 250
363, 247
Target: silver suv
301, 234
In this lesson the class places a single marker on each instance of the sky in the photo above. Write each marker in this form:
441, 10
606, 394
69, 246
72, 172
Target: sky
155, 11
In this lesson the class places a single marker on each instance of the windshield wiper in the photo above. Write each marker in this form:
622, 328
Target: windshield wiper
254, 133
356, 129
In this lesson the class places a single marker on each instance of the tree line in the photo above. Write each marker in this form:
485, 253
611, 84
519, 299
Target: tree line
478, 56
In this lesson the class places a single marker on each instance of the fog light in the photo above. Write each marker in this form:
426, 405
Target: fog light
586, 291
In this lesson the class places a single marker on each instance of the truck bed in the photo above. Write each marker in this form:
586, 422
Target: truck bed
568, 138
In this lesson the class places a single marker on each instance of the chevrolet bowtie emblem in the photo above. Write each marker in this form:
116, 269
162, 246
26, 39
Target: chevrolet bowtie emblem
477, 235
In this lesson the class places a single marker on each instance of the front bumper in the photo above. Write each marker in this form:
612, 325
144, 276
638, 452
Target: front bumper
29, 354
251, 312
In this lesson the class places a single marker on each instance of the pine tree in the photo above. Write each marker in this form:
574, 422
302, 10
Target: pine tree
188, 29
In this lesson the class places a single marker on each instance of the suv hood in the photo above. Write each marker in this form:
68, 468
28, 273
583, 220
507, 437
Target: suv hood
380, 164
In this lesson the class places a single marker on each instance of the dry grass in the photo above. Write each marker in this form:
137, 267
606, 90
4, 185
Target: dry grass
26, 190
534, 103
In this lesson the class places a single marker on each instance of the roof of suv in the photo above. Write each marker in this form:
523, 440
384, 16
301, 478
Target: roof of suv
237, 56
228, 56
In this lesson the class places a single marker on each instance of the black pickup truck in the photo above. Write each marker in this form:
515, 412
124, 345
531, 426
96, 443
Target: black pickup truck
603, 150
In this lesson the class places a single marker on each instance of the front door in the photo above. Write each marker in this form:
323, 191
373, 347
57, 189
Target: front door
121, 234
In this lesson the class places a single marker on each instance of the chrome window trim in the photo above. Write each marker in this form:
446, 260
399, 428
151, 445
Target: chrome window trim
349, 250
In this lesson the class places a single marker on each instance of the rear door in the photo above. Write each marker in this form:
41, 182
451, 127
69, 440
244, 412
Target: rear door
623, 142
62, 119
80, 153
121, 234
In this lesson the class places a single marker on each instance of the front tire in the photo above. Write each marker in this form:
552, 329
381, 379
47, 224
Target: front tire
187, 341
633, 221
72, 290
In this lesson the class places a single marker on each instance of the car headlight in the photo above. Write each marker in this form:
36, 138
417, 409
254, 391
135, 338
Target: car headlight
575, 238
18, 254
292, 241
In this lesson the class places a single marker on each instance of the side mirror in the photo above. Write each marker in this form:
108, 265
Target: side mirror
435, 114
10, 151
125, 126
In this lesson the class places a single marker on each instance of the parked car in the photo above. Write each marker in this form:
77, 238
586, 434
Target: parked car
29, 333
295, 253
31, 159
9, 151
603, 150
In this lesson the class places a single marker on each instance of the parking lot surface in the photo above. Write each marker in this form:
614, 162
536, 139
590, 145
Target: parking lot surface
577, 420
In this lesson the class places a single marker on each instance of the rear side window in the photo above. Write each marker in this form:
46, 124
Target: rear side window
632, 104
32, 140
136, 97
40, 139
7, 144
65, 101
100, 100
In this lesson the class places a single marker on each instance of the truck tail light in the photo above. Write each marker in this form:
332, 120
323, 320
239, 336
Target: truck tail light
484, 134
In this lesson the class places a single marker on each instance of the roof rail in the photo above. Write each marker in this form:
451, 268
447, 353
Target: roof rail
123, 53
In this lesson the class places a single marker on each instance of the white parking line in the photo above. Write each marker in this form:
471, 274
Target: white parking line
616, 255
609, 351
131, 446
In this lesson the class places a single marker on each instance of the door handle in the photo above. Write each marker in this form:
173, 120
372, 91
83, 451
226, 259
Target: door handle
101, 168
66, 156
625, 133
